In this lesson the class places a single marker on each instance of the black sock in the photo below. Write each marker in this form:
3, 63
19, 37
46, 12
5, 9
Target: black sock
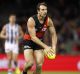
15, 63
24, 72
26, 69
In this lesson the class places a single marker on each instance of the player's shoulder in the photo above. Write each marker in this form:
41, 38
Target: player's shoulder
31, 20
6, 25
49, 19
17, 25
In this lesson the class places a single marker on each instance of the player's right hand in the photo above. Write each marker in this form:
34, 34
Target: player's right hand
49, 53
47, 49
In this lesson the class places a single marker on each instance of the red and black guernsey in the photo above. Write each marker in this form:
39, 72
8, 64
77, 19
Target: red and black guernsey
40, 28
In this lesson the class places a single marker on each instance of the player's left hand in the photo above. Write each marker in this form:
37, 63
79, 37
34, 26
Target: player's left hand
54, 48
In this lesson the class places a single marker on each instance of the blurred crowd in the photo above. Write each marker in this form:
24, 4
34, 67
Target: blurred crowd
65, 15
67, 23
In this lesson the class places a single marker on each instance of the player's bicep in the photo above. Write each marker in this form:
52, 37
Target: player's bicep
51, 27
21, 31
31, 27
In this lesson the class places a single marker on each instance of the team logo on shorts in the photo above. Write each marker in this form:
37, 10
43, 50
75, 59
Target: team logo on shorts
26, 46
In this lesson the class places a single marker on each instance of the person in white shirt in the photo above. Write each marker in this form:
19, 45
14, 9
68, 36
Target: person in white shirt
11, 32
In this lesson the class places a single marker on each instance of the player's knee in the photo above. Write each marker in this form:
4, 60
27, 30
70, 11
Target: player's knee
14, 59
29, 63
9, 58
39, 65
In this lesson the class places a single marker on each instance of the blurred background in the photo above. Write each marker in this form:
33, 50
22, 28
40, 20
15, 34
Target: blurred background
64, 13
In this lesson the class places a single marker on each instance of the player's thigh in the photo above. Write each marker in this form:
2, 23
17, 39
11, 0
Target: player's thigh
28, 55
8, 50
39, 56
7, 47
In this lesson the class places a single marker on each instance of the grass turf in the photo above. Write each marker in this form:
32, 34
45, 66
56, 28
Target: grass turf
49, 73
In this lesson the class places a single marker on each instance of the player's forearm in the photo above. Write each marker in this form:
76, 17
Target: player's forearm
20, 37
39, 42
3, 36
54, 40
21, 34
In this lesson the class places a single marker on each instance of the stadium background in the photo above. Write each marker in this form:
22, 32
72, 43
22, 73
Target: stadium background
66, 18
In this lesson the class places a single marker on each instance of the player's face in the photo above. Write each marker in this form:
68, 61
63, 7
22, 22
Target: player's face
12, 19
43, 11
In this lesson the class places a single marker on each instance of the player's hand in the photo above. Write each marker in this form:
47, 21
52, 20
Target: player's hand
50, 53
47, 50
54, 49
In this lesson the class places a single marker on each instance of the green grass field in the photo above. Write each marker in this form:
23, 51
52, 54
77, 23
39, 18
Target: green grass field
50, 73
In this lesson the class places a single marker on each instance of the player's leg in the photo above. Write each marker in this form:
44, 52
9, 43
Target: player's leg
28, 55
15, 57
15, 50
39, 56
15, 60
9, 57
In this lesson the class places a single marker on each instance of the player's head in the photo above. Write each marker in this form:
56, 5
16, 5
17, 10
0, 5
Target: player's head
12, 18
42, 9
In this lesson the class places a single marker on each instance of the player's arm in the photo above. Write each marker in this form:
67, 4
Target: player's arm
3, 32
20, 32
53, 33
32, 32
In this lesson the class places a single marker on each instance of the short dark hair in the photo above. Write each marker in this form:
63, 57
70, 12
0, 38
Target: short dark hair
12, 15
39, 4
